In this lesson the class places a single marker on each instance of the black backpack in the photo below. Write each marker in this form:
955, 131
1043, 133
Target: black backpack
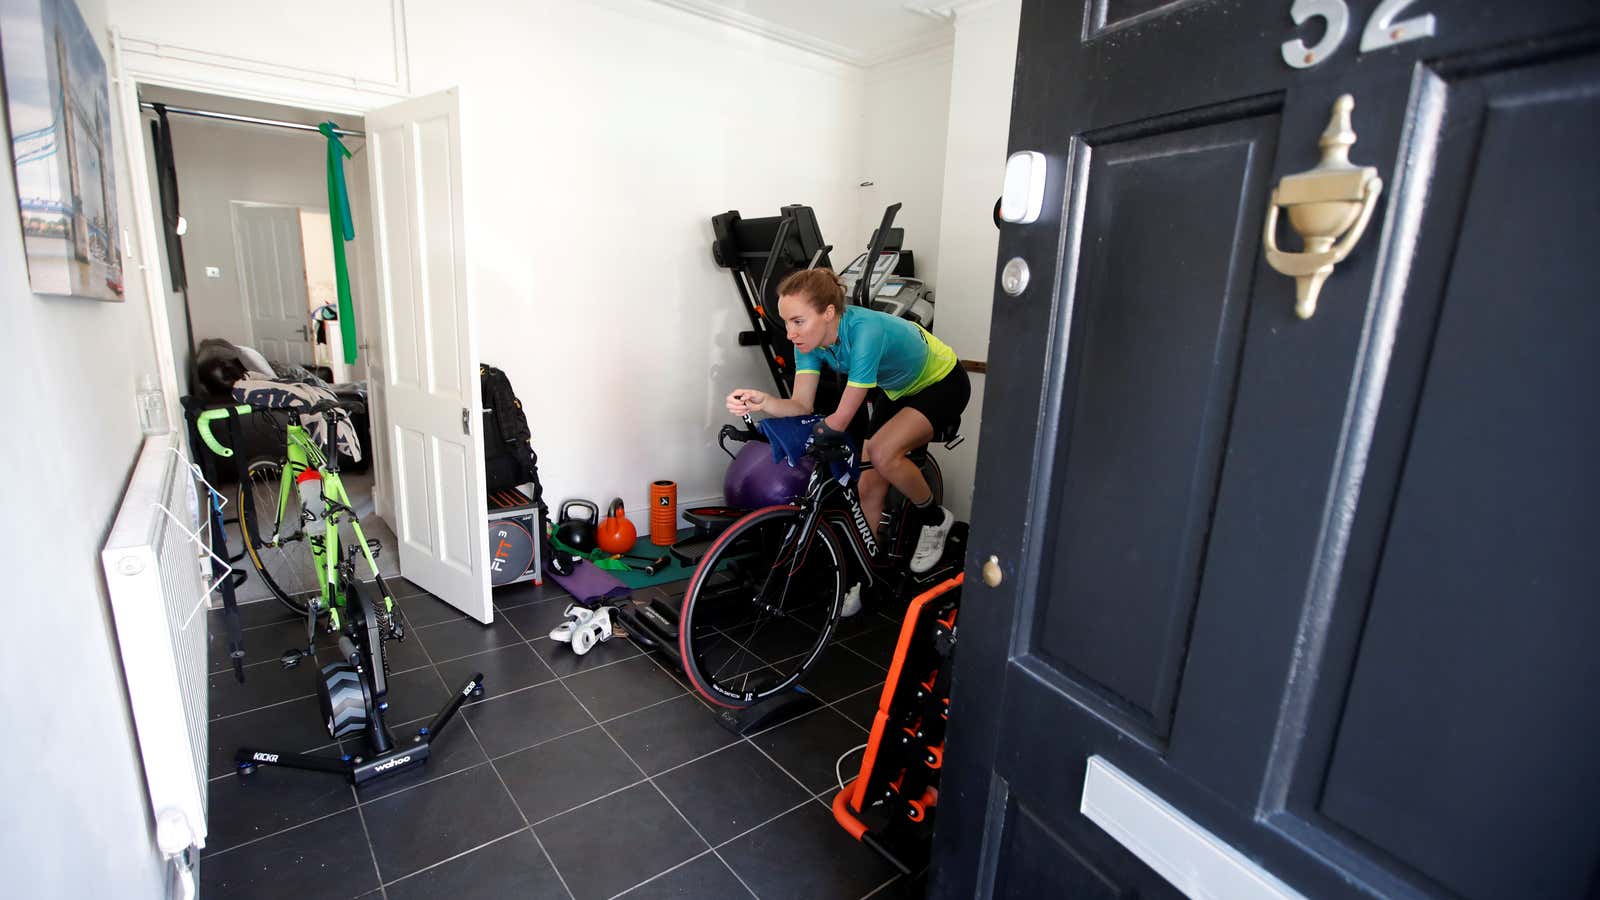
508, 457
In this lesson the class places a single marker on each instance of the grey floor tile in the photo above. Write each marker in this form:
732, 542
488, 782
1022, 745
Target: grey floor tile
512, 867
622, 688
326, 858
558, 775
422, 826
616, 843
525, 718
244, 808
504, 669
669, 734
730, 791
805, 855
809, 747
704, 876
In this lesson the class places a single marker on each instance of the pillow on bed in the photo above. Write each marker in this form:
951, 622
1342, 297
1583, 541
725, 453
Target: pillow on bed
255, 362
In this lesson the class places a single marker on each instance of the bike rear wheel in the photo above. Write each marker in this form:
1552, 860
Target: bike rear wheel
284, 561
760, 607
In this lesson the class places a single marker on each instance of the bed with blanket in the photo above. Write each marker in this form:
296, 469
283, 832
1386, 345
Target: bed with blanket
227, 373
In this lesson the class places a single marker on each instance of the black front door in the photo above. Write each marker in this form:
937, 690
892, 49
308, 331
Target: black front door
1289, 606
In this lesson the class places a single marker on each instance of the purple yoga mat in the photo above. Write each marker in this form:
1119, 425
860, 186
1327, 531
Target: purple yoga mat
590, 584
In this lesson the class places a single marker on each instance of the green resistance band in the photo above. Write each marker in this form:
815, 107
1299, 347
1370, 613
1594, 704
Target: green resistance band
344, 229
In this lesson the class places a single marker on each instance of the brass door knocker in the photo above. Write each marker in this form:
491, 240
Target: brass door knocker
1329, 206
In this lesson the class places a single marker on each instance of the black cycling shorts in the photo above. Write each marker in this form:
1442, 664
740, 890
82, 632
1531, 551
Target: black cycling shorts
941, 402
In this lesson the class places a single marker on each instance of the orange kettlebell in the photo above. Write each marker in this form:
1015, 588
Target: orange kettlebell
616, 533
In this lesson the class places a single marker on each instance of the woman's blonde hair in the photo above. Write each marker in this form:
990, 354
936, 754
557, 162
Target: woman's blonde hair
820, 287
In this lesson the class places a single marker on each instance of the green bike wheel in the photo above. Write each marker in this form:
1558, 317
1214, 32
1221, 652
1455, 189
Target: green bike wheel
282, 556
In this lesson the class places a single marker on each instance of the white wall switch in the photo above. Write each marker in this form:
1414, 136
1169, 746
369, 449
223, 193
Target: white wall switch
213, 272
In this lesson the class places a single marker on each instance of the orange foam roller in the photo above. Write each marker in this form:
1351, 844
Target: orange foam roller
663, 512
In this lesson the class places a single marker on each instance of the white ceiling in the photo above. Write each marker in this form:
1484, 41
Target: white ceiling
862, 32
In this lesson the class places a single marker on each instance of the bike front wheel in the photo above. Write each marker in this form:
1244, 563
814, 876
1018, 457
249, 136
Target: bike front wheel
760, 607
279, 549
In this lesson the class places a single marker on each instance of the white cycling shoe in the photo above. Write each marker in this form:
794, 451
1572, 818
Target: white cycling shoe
595, 631
930, 544
577, 616
584, 628
852, 602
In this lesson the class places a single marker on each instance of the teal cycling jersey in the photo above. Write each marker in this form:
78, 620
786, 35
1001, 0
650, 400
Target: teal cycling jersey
876, 349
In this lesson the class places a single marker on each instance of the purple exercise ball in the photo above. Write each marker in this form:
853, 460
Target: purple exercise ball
754, 480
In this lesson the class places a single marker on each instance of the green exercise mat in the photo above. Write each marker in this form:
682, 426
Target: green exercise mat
675, 570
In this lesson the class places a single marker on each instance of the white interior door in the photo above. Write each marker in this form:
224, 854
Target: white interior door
429, 350
272, 280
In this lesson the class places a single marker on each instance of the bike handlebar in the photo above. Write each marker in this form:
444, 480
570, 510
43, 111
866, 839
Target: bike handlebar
742, 435
204, 420
211, 415
826, 444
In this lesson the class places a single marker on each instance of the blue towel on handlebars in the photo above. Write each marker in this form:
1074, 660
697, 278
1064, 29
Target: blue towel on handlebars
791, 437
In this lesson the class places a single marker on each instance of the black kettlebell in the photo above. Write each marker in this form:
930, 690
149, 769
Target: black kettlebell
579, 534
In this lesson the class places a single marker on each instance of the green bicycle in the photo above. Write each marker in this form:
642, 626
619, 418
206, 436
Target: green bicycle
279, 525
281, 504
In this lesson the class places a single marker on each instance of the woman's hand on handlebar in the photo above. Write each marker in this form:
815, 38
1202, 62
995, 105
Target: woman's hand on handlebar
745, 401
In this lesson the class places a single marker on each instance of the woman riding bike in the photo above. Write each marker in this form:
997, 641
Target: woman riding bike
926, 390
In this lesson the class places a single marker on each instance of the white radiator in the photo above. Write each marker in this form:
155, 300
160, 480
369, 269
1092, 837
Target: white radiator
158, 579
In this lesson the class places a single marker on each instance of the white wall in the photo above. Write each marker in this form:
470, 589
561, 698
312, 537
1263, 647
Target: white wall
975, 155
219, 162
902, 133
78, 820
599, 140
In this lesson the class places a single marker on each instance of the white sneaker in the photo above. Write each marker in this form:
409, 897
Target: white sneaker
852, 602
930, 544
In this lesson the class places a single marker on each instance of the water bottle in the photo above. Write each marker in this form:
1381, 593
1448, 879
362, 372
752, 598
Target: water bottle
310, 485
152, 406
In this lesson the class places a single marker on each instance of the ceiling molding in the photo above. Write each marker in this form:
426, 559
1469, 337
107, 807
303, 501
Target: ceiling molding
723, 15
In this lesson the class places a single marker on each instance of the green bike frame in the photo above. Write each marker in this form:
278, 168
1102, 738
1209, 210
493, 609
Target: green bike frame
302, 453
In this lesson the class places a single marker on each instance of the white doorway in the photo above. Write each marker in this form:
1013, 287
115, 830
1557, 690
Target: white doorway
417, 342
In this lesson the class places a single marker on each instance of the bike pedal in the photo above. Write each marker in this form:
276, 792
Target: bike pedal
374, 546
292, 657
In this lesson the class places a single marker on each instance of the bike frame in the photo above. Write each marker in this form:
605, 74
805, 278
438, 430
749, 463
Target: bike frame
303, 454
827, 500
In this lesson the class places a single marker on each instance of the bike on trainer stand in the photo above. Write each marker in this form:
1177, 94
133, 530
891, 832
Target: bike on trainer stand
767, 595
281, 502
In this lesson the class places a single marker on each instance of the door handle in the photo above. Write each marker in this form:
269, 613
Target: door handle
305, 333
1329, 206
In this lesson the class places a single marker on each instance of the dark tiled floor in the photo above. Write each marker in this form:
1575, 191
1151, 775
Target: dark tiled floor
573, 777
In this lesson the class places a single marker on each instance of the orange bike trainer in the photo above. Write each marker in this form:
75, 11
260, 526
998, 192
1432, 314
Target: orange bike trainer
849, 800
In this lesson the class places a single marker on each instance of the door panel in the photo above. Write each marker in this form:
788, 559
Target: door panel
430, 349
1319, 585
414, 527
1155, 344
443, 345
1108, 14
459, 524
402, 338
1492, 528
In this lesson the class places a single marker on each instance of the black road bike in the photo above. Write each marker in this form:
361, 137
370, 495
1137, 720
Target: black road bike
766, 597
